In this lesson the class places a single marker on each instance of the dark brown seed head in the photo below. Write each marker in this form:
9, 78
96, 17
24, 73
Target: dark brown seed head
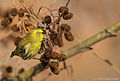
5, 22
14, 28
9, 69
68, 36
55, 71
53, 34
21, 70
13, 11
48, 52
55, 42
61, 57
60, 44
64, 10
17, 40
60, 41
21, 12
65, 27
47, 19
44, 60
54, 65
49, 44
54, 55
68, 16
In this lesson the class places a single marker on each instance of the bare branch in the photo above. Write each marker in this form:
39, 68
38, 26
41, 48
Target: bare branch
81, 47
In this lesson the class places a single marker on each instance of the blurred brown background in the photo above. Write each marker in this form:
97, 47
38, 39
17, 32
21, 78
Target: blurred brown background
90, 17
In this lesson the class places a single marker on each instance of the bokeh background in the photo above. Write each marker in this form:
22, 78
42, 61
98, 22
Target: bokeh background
90, 17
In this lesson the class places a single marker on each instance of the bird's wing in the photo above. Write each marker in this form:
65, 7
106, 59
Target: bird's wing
31, 49
27, 39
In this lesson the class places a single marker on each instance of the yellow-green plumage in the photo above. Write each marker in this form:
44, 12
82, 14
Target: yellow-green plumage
29, 46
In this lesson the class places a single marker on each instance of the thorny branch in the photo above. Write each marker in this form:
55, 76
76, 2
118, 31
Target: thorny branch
81, 47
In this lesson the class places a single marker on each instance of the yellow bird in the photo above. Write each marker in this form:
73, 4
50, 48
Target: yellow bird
29, 46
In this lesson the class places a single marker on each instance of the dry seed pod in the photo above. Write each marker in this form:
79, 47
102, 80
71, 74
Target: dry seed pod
65, 27
14, 28
68, 16
54, 67
55, 42
44, 60
21, 12
54, 64
64, 10
17, 40
60, 41
68, 36
55, 71
53, 34
47, 19
6, 21
61, 57
49, 44
54, 55
9, 69
48, 52
13, 11
21, 70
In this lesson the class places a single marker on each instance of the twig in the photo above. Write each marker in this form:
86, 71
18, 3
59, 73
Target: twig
51, 5
67, 2
81, 47
39, 10
29, 12
108, 62
22, 3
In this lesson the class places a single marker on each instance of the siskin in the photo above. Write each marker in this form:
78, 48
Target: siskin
29, 46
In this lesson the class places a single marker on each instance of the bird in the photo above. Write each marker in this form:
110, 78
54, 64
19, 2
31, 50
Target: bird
30, 44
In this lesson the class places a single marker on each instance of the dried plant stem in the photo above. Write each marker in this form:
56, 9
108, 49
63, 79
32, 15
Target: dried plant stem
81, 47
